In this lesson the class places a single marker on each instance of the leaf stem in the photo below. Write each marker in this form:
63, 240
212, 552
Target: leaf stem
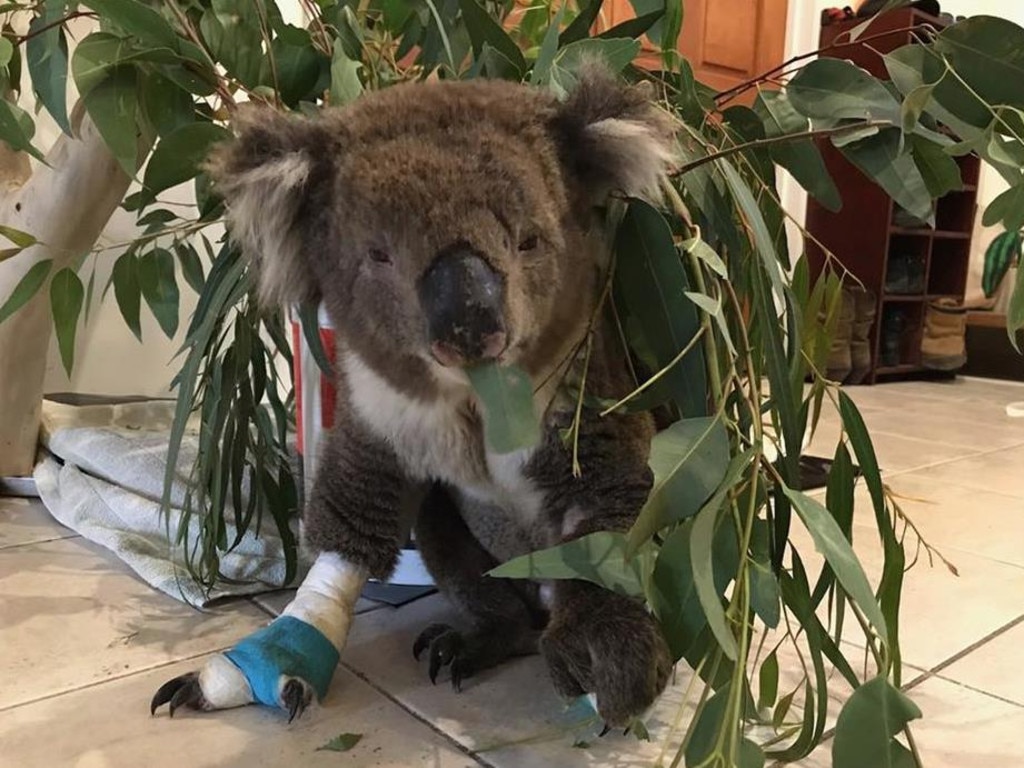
784, 139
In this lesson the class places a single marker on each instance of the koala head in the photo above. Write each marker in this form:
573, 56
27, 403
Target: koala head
443, 224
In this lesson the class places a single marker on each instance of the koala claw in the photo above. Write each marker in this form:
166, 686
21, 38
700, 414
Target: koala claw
447, 649
604, 731
296, 696
184, 690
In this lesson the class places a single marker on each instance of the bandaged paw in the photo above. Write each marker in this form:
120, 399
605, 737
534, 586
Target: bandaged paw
285, 663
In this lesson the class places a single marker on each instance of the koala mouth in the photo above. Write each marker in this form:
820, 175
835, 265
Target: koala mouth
489, 348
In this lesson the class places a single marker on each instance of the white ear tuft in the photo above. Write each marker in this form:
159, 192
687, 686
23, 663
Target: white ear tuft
266, 176
642, 155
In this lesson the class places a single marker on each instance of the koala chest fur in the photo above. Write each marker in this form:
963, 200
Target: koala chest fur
442, 440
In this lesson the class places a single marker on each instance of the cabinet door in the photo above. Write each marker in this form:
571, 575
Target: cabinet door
726, 41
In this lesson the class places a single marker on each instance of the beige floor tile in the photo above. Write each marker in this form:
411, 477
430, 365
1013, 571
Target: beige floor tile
994, 667
26, 521
109, 726
72, 615
511, 715
962, 728
997, 471
983, 431
932, 595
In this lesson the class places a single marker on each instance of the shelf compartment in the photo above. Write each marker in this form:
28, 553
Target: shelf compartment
947, 273
955, 213
906, 266
899, 338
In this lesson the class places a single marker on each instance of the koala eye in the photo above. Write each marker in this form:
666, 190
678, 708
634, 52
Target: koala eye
381, 257
529, 243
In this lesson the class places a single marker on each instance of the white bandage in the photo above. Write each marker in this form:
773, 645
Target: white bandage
327, 597
223, 684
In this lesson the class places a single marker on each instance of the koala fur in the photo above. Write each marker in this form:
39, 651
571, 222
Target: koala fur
469, 207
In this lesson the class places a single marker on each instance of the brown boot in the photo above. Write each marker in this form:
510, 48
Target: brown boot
943, 347
864, 308
838, 366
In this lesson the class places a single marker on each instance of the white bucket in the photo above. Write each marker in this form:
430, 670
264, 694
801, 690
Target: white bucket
314, 404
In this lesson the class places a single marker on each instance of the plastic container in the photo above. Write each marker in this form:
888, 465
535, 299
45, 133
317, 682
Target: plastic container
315, 399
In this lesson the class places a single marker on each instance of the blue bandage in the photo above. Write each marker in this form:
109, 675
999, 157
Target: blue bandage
286, 646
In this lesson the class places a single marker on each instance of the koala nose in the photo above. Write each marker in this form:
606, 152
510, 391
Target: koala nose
463, 300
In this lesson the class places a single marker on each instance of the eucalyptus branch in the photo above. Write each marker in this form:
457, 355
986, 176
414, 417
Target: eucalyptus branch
784, 139
840, 42
58, 23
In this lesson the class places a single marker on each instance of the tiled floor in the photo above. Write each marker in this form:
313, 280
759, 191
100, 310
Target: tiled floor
83, 643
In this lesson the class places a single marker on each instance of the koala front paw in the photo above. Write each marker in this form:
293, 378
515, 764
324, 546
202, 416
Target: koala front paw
607, 645
282, 665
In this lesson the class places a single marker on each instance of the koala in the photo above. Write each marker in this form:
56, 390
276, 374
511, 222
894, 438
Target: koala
446, 225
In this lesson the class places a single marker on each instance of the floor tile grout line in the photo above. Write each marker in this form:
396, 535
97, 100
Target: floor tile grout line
943, 462
417, 716
40, 541
113, 678
934, 671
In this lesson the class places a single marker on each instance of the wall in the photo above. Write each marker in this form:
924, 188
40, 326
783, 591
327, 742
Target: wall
803, 27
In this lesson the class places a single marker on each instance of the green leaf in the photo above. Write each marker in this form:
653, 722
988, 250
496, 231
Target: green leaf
836, 89
597, 557
345, 83
867, 724
1007, 208
801, 158
191, 266
231, 29
138, 20
483, 28
764, 592
689, 460
26, 288
633, 28
768, 682
702, 560
1001, 254
707, 254
177, 157
17, 129
342, 743
127, 291
16, 236
47, 56
506, 394
940, 172
548, 48
90, 288
580, 26
1015, 312
309, 320
649, 283
988, 54
66, 297
297, 69
710, 723
830, 541
160, 288
166, 105
114, 108
713, 308
882, 159
616, 54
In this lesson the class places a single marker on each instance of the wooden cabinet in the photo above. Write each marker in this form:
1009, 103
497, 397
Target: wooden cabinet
727, 42
870, 238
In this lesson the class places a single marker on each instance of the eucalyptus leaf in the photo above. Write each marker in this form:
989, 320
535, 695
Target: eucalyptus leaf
883, 160
159, 288
46, 53
509, 414
689, 460
27, 287
66, 297
867, 724
345, 83
837, 89
830, 541
127, 291
114, 108
341, 743
177, 157
702, 560
1008, 209
484, 29
597, 557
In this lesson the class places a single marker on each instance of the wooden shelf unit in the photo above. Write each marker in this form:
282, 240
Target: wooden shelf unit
864, 234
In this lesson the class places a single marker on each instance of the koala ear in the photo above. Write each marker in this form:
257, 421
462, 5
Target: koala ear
266, 176
613, 137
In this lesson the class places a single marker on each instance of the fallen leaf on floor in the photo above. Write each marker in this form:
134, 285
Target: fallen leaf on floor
581, 744
342, 743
